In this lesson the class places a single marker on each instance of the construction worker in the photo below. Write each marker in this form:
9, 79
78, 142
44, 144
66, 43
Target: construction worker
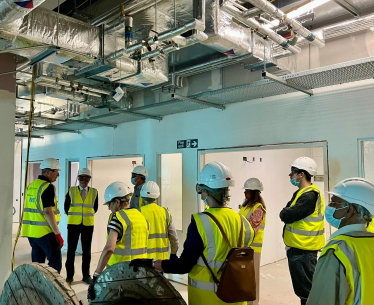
205, 239
162, 229
253, 209
138, 177
127, 230
304, 229
41, 217
81, 204
345, 269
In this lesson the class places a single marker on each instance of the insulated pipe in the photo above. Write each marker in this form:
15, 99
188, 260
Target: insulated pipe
62, 87
269, 8
252, 23
120, 25
158, 52
76, 86
187, 41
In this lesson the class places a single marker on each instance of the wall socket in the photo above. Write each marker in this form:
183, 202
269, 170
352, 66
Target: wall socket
133, 162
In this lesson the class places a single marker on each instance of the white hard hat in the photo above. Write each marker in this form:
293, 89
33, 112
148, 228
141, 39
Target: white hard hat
140, 170
84, 172
253, 184
216, 175
116, 189
307, 164
356, 190
150, 189
51, 163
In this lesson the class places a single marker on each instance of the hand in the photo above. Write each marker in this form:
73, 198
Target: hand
141, 262
60, 240
91, 295
173, 256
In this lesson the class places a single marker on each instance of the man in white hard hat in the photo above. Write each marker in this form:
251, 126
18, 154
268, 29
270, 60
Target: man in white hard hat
128, 231
345, 269
162, 228
304, 227
41, 217
204, 239
138, 177
81, 204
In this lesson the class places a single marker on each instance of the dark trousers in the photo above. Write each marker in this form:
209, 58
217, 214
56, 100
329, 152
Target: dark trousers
85, 232
302, 264
46, 247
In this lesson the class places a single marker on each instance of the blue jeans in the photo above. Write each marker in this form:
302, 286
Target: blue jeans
302, 264
46, 247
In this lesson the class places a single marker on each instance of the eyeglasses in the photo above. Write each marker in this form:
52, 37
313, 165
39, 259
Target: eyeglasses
295, 171
80, 178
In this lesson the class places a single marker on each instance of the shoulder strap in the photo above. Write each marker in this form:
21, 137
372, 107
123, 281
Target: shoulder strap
210, 269
219, 227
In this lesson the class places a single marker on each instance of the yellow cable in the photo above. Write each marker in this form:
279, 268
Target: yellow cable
31, 116
77, 7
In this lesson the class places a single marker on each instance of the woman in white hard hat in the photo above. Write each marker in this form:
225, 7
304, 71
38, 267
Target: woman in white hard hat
345, 269
304, 229
213, 186
162, 228
254, 210
125, 224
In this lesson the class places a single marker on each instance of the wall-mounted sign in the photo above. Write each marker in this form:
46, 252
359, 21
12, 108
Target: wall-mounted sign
191, 143
318, 178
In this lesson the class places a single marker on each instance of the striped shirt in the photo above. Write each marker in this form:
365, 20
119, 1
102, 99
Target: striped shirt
115, 225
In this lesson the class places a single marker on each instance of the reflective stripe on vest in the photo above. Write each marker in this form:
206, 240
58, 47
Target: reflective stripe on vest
201, 285
308, 233
133, 243
34, 223
159, 221
355, 253
259, 237
82, 212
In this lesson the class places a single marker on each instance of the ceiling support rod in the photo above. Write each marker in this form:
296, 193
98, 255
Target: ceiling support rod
277, 79
196, 101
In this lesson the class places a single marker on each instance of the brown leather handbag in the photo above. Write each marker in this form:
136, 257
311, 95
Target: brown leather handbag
237, 282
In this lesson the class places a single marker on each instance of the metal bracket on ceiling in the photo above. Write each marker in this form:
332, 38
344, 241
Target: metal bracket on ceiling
348, 7
196, 101
43, 55
146, 116
24, 135
277, 79
56, 129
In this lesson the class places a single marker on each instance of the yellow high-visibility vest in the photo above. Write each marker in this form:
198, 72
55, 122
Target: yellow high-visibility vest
133, 243
34, 223
259, 238
308, 233
356, 254
79, 211
159, 221
370, 228
201, 287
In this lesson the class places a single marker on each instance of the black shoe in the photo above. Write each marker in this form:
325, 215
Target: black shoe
87, 279
69, 280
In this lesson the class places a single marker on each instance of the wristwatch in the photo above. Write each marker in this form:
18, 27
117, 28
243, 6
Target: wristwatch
96, 274
154, 263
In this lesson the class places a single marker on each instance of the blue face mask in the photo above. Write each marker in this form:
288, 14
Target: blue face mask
294, 182
133, 181
329, 214
204, 200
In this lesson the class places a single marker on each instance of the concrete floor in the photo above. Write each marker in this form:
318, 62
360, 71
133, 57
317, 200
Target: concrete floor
276, 286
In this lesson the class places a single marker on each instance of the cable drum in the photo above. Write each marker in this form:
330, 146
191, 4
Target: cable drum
120, 284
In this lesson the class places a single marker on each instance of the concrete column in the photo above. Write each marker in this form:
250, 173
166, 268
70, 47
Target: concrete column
7, 114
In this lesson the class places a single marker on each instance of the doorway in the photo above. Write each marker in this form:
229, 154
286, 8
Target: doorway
270, 164
104, 171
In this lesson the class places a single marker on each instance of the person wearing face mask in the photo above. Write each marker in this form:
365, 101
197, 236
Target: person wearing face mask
127, 230
162, 228
254, 210
42, 216
304, 229
81, 204
345, 269
205, 239
138, 177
